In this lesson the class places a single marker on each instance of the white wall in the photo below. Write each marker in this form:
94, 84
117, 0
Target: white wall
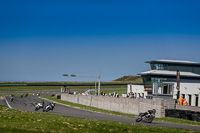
192, 89
122, 104
139, 89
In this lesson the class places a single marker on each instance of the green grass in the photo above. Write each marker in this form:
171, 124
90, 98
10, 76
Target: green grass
165, 119
176, 120
33, 88
28, 88
104, 88
15, 121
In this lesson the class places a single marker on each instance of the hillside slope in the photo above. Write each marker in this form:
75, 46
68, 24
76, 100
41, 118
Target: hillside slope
132, 79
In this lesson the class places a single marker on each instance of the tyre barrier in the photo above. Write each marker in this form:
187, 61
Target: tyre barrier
58, 97
183, 114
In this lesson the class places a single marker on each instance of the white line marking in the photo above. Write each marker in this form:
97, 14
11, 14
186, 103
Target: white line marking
7, 103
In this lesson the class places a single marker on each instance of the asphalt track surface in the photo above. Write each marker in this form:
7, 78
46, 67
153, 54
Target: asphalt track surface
28, 104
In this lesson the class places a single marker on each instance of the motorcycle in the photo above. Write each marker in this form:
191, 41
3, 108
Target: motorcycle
39, 105
147, 116
49, 107
11, 97
22, 95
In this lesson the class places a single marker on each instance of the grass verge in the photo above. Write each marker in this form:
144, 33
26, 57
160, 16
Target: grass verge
15, 121
33, 88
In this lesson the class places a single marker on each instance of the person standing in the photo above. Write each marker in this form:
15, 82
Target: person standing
185, 102
181, 99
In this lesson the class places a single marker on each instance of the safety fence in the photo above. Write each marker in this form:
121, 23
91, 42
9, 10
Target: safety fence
183, 114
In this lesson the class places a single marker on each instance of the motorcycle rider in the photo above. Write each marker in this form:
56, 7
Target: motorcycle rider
147, 116
50, 105
11, 97
22, 94
26, 95
39, 105
53, 105
42, 102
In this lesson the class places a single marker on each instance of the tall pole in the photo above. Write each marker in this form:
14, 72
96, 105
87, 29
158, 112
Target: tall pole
178, 83
95, 86
96, 77
99, 78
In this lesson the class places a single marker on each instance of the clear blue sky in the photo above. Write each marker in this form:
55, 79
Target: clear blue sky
41, 40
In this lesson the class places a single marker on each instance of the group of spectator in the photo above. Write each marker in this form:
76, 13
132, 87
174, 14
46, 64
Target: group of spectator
103, 93
114, 94
182, 101
130, 95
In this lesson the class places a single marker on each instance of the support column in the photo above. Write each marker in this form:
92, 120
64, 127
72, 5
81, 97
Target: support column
199, 101
193, 100
187, 98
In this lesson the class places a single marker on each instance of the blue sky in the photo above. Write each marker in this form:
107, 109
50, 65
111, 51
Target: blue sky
41, 40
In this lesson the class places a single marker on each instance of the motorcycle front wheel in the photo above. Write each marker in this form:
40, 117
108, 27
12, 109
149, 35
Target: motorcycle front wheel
11, 99
150, 119
37, 108
46, 110
138, 119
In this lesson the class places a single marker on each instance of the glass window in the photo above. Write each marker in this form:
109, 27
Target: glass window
153, 67
159, 66
158, 80
147, 80
163, 89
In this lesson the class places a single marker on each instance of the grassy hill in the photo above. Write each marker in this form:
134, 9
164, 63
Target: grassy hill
131, 79
120, 81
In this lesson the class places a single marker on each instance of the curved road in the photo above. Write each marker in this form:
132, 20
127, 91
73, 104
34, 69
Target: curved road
28, 104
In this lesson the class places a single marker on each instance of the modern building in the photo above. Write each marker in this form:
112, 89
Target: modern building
161, 81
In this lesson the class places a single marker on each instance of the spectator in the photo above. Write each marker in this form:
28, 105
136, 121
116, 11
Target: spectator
117, 95
128, 95
180, 101
101, 93
131, 95
185, 102
114, 94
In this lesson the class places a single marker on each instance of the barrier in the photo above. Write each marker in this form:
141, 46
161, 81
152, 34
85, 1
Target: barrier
122, 104
183, 114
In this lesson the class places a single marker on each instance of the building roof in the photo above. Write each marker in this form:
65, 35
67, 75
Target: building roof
174, 62
169, 73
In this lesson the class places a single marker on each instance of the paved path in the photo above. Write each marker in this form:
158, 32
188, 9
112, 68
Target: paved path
28, 104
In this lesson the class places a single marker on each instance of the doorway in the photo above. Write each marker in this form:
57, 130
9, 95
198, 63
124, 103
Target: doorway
197, 100
165, 89
190, 99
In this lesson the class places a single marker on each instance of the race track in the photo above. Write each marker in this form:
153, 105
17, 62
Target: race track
28, 104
